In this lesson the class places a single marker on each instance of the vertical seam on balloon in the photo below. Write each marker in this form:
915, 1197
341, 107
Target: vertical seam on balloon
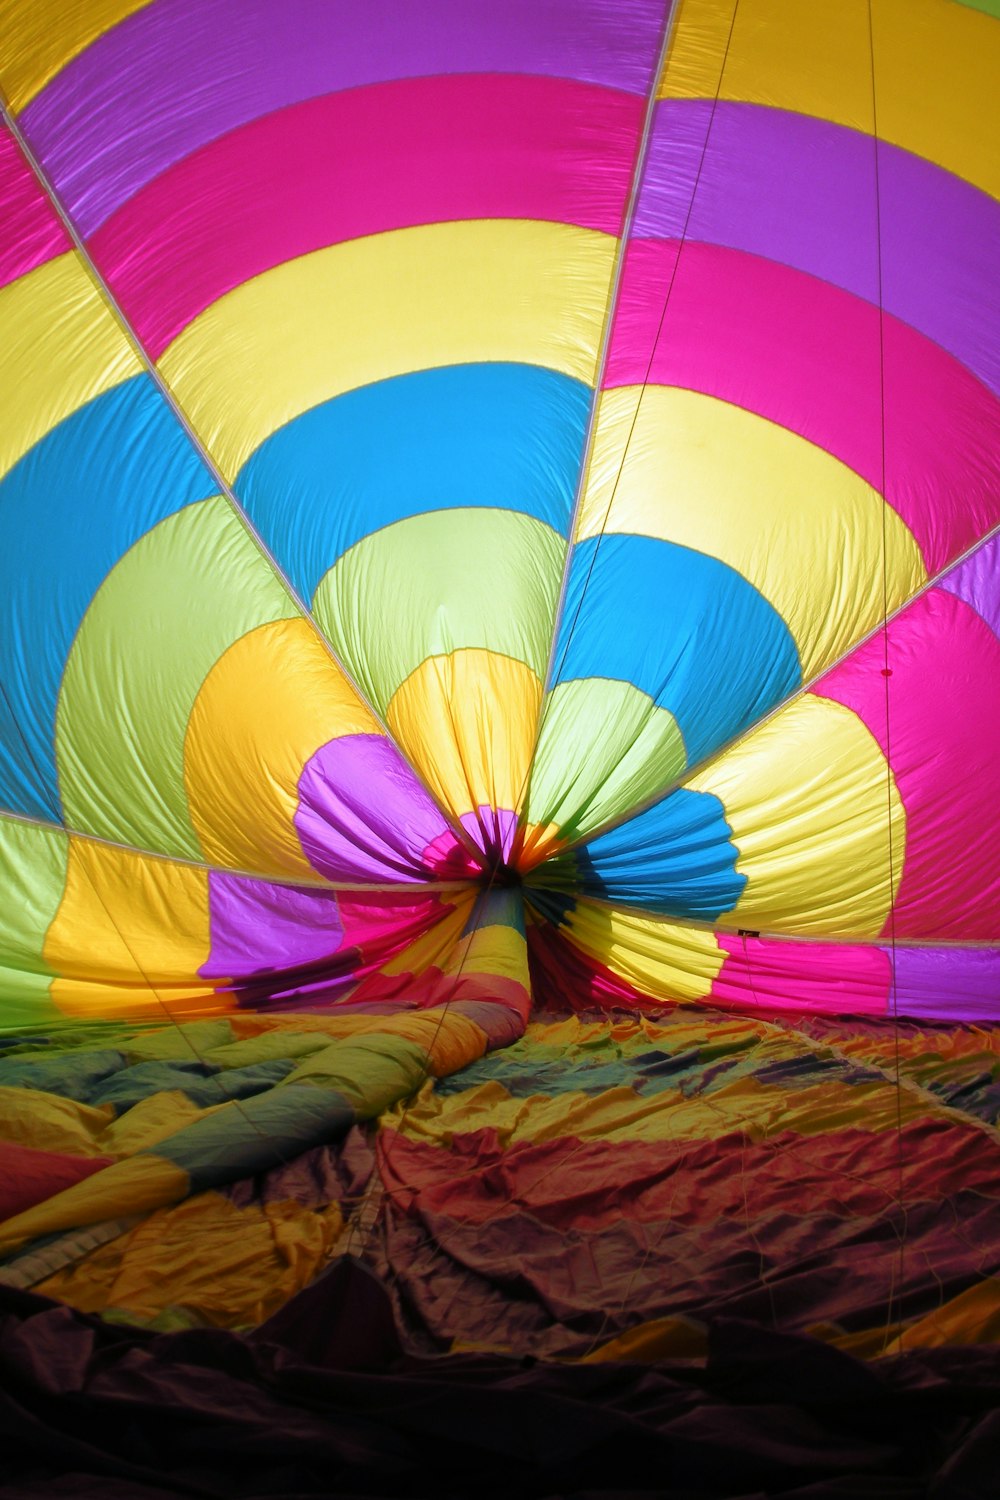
225, 488
586, 454
896, 1295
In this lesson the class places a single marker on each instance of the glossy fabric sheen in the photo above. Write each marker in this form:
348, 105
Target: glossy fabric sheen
497, 518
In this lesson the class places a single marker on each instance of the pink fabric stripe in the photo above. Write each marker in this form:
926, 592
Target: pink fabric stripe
828, 978
414, 152
805, 354
944, 723
31, 231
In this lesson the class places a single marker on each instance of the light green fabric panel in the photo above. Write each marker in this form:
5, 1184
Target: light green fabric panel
436, 583
160, 621
32, 877
604, 748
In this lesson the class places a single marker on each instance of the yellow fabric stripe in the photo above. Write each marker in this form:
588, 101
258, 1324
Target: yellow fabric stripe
798, 524
41, 36
241, 766
619, 1114
805, 796
935, 69
48, 1122
659, 959
61, 348
467, 722
129, 935
226, 1266
389, 304
128, 1187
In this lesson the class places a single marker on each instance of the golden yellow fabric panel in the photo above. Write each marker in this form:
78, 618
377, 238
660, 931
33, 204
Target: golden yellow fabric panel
130, 933
622, 1114
224, 1265
41, 36
935, 69
467, 722
805, 797
242, 767
799, 525
411, 299
48, 1122
658, 958
126, 1187
61, 348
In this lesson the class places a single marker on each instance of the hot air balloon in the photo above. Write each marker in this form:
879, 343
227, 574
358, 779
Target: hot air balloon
499, 725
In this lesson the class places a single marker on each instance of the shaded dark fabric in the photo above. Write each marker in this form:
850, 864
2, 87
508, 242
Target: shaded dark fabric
92, 1410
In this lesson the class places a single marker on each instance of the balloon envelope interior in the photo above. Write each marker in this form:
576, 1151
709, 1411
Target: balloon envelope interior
499, 645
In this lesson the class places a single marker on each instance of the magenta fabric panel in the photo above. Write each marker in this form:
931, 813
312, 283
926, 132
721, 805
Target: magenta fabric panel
31, 231
182, 73
801, 191
805, 355
766, 973
945, 665
419, 151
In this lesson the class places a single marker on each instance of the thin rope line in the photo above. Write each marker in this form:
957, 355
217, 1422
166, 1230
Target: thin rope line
642, 388
694, 924
225, 489
895, 1302
715, 755
610, 313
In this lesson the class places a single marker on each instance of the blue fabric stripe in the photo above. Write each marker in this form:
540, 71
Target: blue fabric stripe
501, 436
683, 627
68, 512
676, 858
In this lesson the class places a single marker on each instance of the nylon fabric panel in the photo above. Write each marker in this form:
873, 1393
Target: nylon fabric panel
158, 624
806, 532
495, 436
814, 851
274, 792
933, 69
466, 720
821, 363
690, 632
677, 858
33, 233
44, 35
124, 456
33, 873
129, 936
62, 347
412, 591
185, 72
423, 150
605, 748
801, 192
944, 661
659, 959
439, 294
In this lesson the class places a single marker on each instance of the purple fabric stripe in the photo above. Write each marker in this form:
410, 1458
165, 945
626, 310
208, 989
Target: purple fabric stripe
363, 815
977, 581
801, 191
262, 928
953, 984
184, 72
